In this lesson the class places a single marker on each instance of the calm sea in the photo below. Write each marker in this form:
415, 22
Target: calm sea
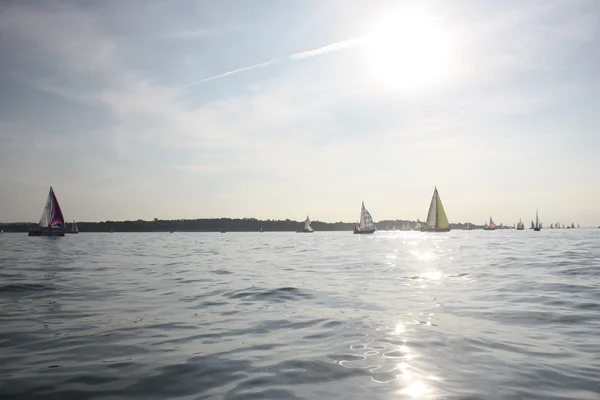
396, 315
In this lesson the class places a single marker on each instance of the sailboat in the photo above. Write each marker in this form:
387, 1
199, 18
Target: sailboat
572, 225
74, 228
52, 222
537, 227
437, 221
366, 224
261, 229
307, 228
490, 226
520, 225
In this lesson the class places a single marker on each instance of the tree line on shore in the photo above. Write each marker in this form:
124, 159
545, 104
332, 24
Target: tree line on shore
217, 225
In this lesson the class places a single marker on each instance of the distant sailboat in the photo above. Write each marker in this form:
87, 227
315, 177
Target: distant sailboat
366, 224
74, 228
52, 222
307, 227
572, 225
261, 229
490, 226
520, 225
532, 225
537, 227
437, 221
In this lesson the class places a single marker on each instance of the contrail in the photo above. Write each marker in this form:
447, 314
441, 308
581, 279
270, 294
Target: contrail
330, 48
228, 73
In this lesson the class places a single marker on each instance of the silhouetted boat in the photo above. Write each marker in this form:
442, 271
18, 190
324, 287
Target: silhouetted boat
52, 222
437, 221
537, 227
490, 226
74, 228
366, 224
307, 227
520, 225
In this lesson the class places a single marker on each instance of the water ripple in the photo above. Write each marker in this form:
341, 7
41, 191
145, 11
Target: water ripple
404, 315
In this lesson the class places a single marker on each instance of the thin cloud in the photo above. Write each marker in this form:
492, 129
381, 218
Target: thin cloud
338, 46
330, 48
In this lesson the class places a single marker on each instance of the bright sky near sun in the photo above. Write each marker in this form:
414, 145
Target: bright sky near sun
278, 109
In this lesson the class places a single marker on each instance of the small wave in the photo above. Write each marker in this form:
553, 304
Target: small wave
278, 294
24, 287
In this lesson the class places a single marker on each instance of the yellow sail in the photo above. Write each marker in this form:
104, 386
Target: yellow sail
441, 220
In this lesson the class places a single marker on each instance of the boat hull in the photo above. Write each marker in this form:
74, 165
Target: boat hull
72, 233
537, 229
364, 231
304, 231
45, 232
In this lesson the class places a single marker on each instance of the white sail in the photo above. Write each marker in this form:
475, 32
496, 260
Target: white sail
307, 226
431, 215
366, 221
74, 227
46, 214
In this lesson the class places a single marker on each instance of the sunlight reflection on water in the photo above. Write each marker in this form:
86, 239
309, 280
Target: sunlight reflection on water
398, 316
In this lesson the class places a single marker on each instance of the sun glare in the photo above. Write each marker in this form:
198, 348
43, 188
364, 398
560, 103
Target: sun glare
407, 50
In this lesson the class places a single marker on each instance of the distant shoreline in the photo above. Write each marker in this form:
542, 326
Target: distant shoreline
223, 224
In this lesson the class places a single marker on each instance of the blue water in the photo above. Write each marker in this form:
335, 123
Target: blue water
396, 315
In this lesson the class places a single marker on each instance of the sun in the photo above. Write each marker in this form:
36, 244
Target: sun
408, 50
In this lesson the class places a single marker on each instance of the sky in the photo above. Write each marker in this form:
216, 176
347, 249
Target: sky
278, 109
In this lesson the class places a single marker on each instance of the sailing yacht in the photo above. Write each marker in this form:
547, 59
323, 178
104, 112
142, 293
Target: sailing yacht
490, 226
261, 229
537, 227
366, 224
520, 225
437, 221
52, 222
74, 228
307, 228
